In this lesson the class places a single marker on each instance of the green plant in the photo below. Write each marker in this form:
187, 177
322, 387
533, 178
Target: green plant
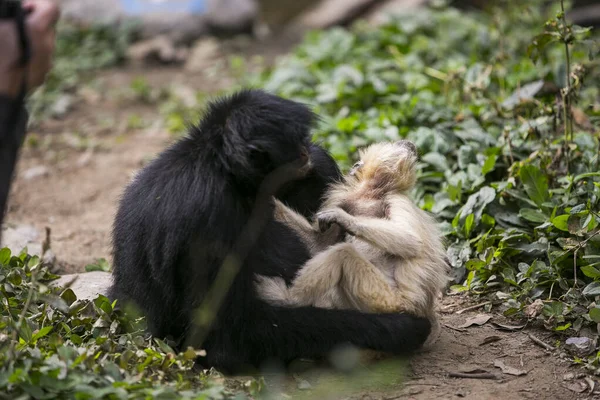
53, 345
507, 169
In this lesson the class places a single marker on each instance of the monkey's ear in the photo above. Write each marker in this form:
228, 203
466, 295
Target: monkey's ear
259, 157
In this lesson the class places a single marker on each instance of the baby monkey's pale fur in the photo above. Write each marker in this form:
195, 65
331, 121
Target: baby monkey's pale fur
372, 248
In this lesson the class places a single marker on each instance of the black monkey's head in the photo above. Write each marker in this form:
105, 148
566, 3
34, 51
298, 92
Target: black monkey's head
253, 132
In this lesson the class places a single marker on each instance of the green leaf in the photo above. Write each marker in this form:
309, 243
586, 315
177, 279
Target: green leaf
42, 332
532, 215
563, 327
69, 296
586, 175
561, 222
4, 256
593, 289
489, 164
469, 224
534, 50
536, 184
100, 265
577, 209
25, 332
595, 314
436, 160
591, 272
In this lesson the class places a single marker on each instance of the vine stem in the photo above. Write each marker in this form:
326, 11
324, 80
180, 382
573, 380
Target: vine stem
566, 94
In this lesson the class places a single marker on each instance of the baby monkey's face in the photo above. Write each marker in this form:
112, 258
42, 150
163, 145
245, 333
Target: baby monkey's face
406, 147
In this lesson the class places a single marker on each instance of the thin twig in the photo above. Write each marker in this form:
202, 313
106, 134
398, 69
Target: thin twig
566, 94
455, 328
540, 343
421, 384
481, 375
476, 306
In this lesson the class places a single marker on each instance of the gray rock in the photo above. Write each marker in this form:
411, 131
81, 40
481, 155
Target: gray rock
159, 48
231, 15
203, 54
580, 346
180, 21
16, 238
382, 13
35, 172
87, 285
333, 12
89, 11
49, 260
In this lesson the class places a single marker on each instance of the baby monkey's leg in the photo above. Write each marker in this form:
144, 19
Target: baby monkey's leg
341, 269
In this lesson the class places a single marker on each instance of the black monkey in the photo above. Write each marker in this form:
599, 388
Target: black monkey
179, 218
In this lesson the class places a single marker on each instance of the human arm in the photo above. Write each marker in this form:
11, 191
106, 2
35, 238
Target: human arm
17, 79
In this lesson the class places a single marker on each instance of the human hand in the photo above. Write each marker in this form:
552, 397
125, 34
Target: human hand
40, 20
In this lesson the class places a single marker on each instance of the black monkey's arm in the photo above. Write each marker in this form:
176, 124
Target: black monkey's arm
314, 240
289, 333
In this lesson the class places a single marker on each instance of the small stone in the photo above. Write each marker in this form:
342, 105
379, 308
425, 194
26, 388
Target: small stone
202, 54
382, 13
328, 13
158, 49
20, 236
568, 377
231, 16
35, 172
62, 105
580, 346
49, 259
88, 285
304, 385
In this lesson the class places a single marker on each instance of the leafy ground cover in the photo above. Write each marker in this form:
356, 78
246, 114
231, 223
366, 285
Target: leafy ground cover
505, 110
509, 151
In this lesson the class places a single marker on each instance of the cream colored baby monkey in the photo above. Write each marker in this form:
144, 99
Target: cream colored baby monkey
372, 248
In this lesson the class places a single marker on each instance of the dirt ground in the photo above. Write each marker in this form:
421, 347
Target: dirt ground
542, 374
88, 157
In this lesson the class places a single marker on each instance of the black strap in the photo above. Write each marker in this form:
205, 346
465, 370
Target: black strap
25, 47
15, 126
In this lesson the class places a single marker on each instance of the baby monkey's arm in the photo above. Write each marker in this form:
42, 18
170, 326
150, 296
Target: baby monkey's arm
315, 240
397, 237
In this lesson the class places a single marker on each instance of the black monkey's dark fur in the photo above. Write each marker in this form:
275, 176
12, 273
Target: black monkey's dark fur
180, 216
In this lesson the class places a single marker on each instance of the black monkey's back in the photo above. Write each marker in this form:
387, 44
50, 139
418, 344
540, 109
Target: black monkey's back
180, 216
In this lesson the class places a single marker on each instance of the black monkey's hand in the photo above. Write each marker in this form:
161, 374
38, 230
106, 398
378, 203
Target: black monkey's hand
327, 218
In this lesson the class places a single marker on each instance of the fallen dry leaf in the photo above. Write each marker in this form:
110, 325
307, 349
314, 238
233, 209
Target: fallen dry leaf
490, 339
479, 320
591, 383
508, 370
577, 386
504, 327
534, 309
473, 371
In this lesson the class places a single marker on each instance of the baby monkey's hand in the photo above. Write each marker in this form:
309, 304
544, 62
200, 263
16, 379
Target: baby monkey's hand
327, 218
